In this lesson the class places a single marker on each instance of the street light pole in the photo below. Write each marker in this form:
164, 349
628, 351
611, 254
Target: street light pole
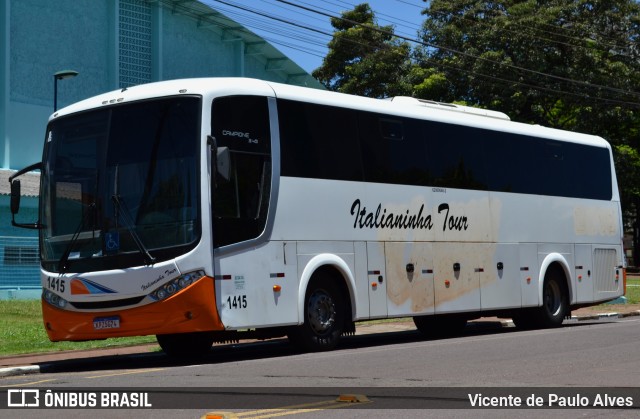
60, 75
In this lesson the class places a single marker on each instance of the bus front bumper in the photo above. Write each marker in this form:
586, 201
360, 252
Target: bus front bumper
193, 309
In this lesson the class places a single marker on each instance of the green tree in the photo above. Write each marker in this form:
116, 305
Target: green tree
365, 58
551, 62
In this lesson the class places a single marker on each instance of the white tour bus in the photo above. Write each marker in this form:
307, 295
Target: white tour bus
213, 209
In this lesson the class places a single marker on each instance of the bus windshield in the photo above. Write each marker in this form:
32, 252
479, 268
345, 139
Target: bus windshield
120, 186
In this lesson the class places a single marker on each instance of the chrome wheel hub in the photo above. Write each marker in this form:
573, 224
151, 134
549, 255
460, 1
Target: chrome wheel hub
321, 312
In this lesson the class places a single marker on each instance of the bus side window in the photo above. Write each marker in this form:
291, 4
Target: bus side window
456, 156
393, 149
318, 141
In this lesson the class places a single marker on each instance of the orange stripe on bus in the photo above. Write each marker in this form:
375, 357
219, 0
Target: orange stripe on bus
77, 287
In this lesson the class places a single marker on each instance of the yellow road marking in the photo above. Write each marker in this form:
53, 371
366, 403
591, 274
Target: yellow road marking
28, 384
126, 373
286, 408
296, 409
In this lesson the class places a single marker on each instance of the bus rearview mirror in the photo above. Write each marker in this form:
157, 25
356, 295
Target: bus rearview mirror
15, 196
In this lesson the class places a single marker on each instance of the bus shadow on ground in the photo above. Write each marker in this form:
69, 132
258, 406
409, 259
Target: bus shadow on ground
273, 348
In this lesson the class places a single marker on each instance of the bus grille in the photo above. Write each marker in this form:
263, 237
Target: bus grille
97, 305
604, 267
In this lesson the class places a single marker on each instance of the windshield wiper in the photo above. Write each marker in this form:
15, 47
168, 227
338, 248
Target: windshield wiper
63, 263
121, 209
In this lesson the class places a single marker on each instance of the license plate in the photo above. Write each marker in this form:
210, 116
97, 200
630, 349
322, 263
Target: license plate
100, 323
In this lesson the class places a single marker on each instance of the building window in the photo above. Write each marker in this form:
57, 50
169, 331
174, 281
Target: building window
19, 262
21, 255
134, 46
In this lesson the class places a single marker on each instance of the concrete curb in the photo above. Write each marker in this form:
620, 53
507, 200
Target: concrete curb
24, 370
630, 314
35, 369
607, 315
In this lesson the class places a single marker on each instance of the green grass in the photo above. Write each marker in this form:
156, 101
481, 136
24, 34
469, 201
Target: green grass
22, 332
633, 292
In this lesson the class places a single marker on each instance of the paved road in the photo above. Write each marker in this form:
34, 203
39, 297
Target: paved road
396, 370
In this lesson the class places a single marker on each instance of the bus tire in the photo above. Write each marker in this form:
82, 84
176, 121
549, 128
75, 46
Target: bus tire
555, 304
186, 344
323, 316
440, 325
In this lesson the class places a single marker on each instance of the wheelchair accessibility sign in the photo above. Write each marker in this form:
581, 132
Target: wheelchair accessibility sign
112, 241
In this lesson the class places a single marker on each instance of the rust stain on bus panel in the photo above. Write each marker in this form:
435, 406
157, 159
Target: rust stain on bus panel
595, 221
402, 221
454, 274
445, 219
464, 232
465, 221
461, 269
408, 279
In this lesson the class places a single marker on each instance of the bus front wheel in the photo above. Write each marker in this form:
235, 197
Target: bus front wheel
323, 317
186, 344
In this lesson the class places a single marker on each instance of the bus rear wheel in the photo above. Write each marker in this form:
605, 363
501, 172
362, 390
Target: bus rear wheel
186, 344
555, 304
554, 301
323, 317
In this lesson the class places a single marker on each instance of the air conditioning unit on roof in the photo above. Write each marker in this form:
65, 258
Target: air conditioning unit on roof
406, 100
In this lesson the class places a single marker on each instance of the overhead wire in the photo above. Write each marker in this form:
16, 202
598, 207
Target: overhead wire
580, 43
295, 35
553, 29
305, 26
381, 17
282, 19
280, 35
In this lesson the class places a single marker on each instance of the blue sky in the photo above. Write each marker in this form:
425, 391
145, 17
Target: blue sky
307, 47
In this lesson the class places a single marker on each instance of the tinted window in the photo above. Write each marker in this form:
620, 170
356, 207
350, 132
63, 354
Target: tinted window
456, 156
530, 165
393, 150
509, 160
597, 163
336, 143
318, 141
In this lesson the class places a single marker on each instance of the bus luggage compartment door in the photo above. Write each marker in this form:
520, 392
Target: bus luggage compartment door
377, 280
409, 278
457, 276
584, 273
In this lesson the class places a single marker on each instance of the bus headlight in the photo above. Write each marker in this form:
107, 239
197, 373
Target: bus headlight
54, 299
175, 285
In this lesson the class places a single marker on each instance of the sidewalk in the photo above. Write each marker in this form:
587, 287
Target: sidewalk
33, 363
